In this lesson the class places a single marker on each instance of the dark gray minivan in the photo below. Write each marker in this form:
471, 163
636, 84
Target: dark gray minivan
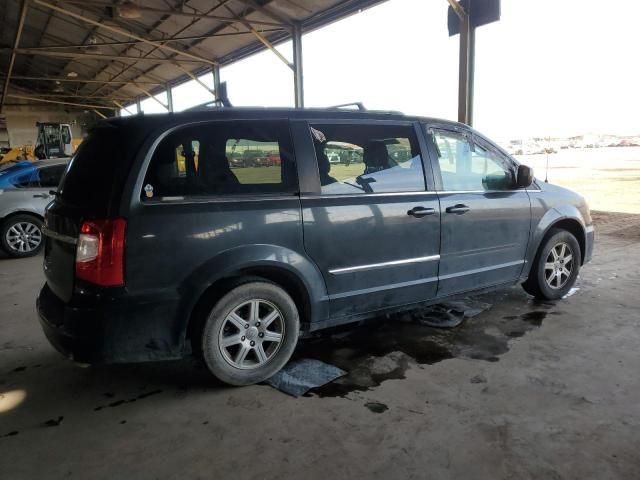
158, 245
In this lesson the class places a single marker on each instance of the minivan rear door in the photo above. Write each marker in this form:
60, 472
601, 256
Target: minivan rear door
87, 190
371, 217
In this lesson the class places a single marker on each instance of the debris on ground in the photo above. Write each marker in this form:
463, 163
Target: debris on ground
478, 379
448, 314
376, 407
571, 292
299, 376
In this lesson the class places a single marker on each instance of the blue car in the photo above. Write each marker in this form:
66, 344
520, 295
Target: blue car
12, 173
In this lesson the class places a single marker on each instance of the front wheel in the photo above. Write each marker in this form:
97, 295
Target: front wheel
250, 333
556, 266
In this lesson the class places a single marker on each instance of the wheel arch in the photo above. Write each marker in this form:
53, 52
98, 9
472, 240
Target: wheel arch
574, 227
14, 213
297, 275
570, 221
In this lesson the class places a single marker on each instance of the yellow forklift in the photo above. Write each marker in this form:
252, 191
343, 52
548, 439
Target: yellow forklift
54, 140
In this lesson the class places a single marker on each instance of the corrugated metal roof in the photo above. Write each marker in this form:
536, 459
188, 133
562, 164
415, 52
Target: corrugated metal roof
57, 33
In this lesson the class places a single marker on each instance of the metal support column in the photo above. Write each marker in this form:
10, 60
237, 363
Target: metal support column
298, 83
138, 104
216, 81
471, 74
169, 98
464, 70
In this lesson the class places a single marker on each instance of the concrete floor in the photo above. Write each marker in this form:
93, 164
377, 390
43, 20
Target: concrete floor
524, 390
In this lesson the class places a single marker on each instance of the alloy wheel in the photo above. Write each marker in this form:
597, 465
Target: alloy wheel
558, 266
24, 237
251, 334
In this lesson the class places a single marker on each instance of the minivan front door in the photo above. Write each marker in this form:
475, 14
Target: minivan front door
370, 225
485, 221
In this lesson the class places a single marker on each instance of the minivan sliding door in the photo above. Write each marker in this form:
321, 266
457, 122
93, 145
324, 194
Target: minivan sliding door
370, 224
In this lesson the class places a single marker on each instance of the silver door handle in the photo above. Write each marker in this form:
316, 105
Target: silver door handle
420, 212
458, 209
41, 195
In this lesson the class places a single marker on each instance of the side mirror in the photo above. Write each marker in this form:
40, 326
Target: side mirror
524, 177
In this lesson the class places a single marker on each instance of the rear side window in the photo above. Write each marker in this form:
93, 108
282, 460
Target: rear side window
50, 176
28, 179
93, 169
364, 159
222, 158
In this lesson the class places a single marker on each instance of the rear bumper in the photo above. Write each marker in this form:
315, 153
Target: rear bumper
61, 328
107, 332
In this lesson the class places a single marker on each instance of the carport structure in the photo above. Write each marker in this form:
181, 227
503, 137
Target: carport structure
102, 55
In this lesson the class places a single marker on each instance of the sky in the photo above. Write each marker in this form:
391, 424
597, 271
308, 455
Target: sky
547, 68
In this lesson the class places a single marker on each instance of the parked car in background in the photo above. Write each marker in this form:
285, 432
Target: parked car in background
144, 263
24, 194
11, 170
274, 159
236, 160
262, 161
249, 157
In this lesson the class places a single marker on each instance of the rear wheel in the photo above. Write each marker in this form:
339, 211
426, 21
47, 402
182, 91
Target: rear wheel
21, 235
556, 266
250, 333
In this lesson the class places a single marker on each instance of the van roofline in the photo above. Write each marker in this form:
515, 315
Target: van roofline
202, 113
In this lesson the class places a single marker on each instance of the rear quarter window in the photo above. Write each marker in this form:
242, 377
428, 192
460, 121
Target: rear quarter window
222, 158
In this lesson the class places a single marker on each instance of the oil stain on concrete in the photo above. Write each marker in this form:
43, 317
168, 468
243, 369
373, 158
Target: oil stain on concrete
384, 348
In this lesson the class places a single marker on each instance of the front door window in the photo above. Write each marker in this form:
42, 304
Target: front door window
467, 166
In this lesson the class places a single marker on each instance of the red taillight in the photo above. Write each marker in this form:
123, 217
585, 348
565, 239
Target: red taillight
100, 252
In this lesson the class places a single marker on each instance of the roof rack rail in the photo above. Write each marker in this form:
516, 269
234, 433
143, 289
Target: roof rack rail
359, 105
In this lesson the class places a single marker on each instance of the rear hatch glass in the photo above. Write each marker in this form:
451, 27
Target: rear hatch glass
93, 169
93, 179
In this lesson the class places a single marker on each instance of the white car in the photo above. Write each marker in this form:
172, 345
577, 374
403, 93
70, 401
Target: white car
24, 194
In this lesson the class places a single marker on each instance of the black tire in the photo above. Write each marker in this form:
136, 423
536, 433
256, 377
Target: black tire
266, 357
28, 225
538, 284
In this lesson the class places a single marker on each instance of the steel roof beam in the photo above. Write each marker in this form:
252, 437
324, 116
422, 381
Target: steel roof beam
146, 92
122, 107
135, 42
16, 42
83, 80
59, 102
265, 10
178, 13
123, 32
27, 51
66, 95
265, 41
154, 26
193, 77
